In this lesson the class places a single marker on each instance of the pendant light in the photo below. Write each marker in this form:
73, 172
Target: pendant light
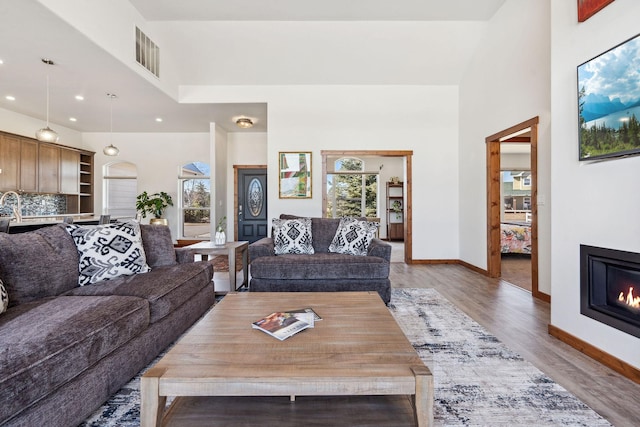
47, 134
111, 150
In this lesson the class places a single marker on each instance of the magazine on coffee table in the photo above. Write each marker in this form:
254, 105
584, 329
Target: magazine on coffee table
282, 325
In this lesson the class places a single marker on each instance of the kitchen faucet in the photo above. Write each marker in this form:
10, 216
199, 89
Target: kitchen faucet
17, 210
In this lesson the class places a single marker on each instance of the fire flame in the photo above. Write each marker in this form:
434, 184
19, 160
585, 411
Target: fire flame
630, 300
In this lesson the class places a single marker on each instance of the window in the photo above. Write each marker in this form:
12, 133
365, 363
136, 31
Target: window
195, 202
120, 189
351, 191
526, 181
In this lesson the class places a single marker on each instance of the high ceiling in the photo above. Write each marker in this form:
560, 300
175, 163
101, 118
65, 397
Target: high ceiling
29, 31
314, 10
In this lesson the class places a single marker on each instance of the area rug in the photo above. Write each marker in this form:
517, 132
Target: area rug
478, 380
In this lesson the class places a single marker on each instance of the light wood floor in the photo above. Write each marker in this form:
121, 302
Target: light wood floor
519, 321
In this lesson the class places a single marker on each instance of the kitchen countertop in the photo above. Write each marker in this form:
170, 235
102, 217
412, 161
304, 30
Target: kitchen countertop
34, 222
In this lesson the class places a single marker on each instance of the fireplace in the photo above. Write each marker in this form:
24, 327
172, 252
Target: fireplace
610, 287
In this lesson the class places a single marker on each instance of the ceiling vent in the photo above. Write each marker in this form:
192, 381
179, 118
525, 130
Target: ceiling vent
147, 53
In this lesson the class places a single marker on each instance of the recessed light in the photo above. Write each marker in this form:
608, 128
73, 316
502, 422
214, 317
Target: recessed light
1, 62
79, 97
10, 98
158, 119
73, 119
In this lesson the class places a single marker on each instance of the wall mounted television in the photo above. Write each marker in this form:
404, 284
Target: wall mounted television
609, 103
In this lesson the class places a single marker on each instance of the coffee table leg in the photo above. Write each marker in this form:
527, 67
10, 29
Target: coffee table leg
151, 403
423, 399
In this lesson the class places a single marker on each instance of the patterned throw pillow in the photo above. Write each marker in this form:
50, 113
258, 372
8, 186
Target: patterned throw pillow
292, 236
108, 251
353, 236
4, 298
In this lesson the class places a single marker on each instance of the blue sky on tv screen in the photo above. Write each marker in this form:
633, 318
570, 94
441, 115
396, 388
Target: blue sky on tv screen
612, 82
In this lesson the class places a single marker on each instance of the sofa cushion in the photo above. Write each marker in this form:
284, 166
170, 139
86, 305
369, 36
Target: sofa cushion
55, 272
158, 245
292, 236
108, 251
353, 237
45, 344
165, 288
4, 298
319, 266
324, 230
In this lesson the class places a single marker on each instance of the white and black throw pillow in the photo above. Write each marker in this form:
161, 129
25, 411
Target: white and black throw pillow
108, 251
4, 298
353, 236
292, 236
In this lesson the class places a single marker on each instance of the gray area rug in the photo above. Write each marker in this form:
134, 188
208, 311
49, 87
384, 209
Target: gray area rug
478, 380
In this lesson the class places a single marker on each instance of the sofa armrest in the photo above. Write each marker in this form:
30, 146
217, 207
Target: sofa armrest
380, 249
260, 248
184, 255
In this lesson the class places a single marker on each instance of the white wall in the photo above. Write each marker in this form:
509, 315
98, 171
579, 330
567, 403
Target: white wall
158, 156
506, 84
111, 25
20, 124
314, 118
602, 209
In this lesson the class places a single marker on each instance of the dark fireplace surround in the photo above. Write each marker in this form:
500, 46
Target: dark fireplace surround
605, 274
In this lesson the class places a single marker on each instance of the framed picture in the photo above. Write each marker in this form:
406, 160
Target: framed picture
588, 8
609, 103
294, 180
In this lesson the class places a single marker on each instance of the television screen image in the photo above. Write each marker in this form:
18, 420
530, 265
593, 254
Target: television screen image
609, 103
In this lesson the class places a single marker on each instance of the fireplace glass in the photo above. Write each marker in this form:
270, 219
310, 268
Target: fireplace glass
610, 287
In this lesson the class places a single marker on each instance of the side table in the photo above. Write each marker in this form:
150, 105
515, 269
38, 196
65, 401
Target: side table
206, 248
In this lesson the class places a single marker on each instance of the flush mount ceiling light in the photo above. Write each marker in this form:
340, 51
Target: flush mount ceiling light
47, 134
111, 150
244, 122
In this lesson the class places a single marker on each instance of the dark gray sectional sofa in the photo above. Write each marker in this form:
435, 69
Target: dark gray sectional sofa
321, 271
65, 349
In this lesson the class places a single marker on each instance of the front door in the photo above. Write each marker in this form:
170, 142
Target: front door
252, 204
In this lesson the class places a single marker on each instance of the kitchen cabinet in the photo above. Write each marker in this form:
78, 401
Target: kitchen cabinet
69, 171
32, 167
18, 163
49, 169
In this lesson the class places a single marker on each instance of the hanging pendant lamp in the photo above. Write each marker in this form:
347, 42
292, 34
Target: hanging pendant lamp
47, 134
111, 150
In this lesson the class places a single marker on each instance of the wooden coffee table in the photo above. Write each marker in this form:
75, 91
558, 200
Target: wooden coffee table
356, 349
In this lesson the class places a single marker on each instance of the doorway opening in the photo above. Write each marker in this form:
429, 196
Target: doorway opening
521, 137
406, 156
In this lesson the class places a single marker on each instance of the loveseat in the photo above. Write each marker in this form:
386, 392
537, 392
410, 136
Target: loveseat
65, 348
322, 270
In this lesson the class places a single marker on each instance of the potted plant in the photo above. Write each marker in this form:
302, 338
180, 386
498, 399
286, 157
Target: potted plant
396, 207
221, 237
153, 204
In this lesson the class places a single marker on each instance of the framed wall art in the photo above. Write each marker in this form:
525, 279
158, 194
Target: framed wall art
588, 8
294, 179
609, 103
